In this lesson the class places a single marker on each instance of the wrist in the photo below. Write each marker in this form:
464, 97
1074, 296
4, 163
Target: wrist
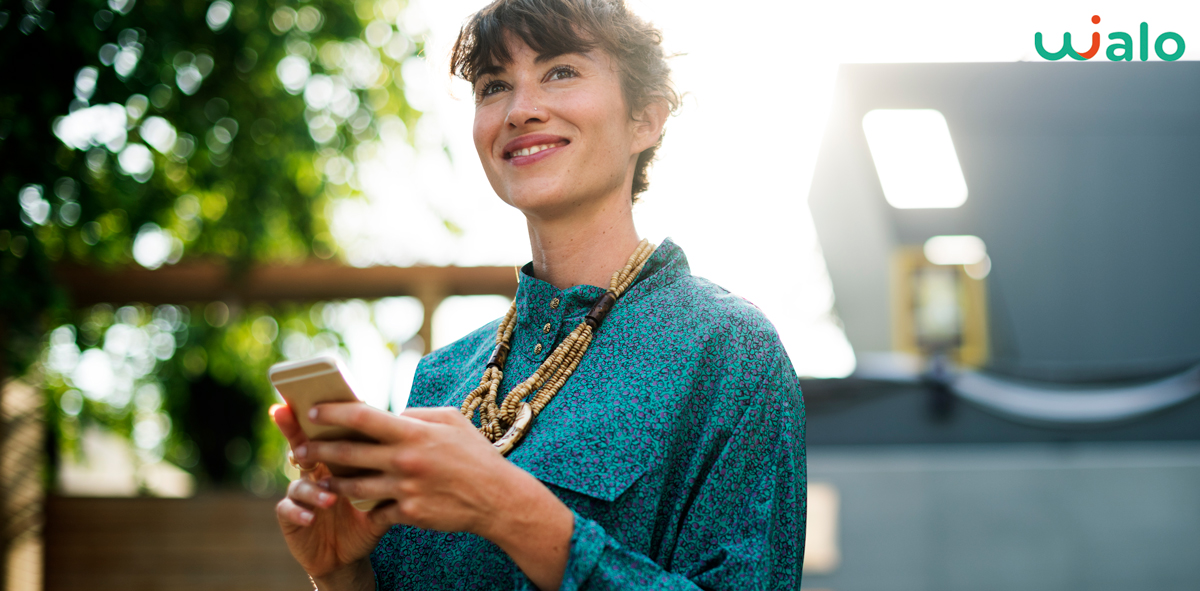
528, 519
356, 576
532, 526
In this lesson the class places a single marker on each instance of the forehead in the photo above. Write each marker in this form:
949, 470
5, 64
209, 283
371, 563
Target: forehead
519, 53
500, 48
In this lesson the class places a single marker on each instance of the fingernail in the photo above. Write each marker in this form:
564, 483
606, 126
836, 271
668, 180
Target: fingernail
302, 452
306, 517
312, 414
323, 484
324, 498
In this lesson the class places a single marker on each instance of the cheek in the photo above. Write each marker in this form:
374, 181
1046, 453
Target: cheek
488, 122
484, 132
611, 121
480, 133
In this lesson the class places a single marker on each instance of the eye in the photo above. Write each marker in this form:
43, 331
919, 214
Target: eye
489, 88
562, 73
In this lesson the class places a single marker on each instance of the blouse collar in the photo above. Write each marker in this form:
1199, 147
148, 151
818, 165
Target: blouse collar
667, 264
542, 309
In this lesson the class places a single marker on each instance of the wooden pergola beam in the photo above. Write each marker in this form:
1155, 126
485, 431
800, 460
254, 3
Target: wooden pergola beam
315, 281
202, 281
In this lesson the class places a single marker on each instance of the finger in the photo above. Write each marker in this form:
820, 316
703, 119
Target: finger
347, 453
380, 425
289, 427
286, 421
402, 511
386, 514
367, 487
320, 475
289, 513
310, 495
445, 415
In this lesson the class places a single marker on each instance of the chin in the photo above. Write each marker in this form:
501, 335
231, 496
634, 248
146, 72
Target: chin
539, 198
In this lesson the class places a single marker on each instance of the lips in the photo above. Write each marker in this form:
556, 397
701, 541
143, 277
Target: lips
530, 151
532, 144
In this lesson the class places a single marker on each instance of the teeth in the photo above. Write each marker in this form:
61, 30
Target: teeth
533, 150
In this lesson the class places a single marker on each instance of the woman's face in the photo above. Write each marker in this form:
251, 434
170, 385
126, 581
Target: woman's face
554, 133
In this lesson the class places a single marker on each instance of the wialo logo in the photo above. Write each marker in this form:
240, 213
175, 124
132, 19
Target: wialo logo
1121, 48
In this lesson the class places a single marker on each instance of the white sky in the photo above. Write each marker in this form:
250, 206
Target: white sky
732, 181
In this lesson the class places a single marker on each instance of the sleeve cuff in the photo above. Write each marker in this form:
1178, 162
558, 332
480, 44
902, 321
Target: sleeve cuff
588, 543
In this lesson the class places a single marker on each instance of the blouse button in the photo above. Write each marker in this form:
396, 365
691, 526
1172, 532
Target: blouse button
554, 303
537, 348
546, 329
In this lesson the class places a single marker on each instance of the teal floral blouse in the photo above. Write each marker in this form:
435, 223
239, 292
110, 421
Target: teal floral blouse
678, 443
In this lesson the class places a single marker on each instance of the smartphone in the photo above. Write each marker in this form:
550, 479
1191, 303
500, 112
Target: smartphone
304, 384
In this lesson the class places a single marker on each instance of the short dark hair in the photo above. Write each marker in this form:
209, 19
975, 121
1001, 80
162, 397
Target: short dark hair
556, 27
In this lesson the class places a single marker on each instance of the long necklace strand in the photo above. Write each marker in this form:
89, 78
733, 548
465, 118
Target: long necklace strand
506, 424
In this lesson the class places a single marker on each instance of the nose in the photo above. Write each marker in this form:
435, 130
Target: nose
524, 109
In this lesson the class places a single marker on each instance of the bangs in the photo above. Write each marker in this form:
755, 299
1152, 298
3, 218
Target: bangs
549, 28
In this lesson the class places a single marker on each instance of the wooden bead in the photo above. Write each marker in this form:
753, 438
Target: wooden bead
600, 309
511, 419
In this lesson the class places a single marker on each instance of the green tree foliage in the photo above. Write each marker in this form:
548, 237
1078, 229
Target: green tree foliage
187, 384
160, 130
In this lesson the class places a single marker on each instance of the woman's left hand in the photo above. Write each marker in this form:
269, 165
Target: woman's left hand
445, 475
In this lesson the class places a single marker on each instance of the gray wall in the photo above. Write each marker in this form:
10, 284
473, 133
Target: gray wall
1083, 182
1028, 517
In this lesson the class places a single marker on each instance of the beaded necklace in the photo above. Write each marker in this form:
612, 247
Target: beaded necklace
504, 425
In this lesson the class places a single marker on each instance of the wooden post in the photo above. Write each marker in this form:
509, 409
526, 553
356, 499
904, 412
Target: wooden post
3, 433
431, 295
22, 463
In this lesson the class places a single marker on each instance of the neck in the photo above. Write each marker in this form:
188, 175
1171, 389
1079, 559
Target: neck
584, 249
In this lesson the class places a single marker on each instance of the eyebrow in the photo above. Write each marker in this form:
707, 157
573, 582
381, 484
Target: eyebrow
489, 70
540, 59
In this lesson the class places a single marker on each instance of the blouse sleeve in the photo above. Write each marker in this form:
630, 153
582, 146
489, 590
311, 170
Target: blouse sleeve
745, 528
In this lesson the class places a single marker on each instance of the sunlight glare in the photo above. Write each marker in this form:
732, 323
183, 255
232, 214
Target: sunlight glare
915, 158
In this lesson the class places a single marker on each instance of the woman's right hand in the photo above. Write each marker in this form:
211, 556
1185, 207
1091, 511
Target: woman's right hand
328, 537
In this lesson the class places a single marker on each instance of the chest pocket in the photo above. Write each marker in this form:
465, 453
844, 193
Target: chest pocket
588, 448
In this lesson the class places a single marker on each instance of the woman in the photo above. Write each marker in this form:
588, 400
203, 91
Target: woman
654, 430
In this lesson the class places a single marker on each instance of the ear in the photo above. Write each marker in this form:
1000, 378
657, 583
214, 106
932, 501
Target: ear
648, 124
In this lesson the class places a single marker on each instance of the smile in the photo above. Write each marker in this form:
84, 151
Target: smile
531, 150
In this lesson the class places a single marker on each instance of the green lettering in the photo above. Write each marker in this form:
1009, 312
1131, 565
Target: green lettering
1144, 40
1158, 46
1126, 47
